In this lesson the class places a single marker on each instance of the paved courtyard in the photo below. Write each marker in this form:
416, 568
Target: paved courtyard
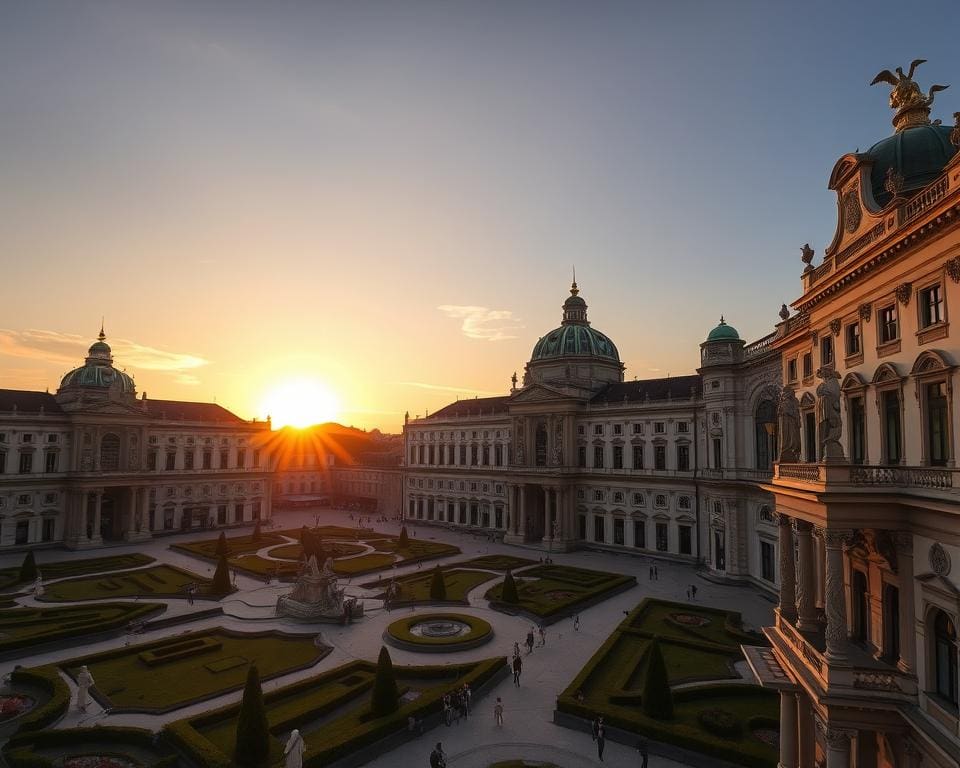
528, 731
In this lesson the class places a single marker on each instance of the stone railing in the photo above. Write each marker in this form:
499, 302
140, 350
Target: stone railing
802, 646
809, 473
930, 196
760, 346
910, 477
877, 681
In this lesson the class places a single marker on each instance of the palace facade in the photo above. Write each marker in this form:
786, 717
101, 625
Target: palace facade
94, 463
864, 646
578, 456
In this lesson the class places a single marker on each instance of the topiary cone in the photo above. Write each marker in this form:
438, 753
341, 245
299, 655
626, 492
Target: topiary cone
256, 532
438, 587
253, 732
657, 698
222, 545
404, 539
221, 578
508, 593
385, 698
28, 569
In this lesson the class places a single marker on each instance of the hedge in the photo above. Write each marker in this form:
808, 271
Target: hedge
400, 629
21, 748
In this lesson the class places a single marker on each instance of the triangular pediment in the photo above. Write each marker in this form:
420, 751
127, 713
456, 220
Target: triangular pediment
538, 393
107, 409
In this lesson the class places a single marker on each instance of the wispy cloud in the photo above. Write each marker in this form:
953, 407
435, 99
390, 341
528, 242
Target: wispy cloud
483, 322
70, 349
445, 388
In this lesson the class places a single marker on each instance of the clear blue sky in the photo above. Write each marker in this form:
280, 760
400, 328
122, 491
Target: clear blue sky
382, 194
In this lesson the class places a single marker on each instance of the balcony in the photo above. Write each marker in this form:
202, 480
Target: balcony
862, 477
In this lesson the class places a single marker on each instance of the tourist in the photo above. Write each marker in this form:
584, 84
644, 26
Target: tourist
543, 636
656, 573
467, 697
516, 649
693, 591
651, 573
579, 696
530, 641
576, 623
601, 737
595, 728
447, 710
642, 749
437, 758
498, 713
517, 669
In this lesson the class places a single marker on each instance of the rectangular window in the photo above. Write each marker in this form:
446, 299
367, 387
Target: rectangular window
49, 528
937, 425
683, 427
582, 456
618, 457
431, 457
598, 429
224, 459
853, 339
221, 514
474, 456
807, 365
662, 542
683, 458
810, 436
51, 461
638, 457
618, 531
498, 455
171, 461
618, 429
256, 458
887, 325
638, 429
639, 534
686, 541
660, 457
766, 561
241, 458
188, 459
238, 512
598, 456
581, 430
890, 407
207, 459
826, 350
659, 427
791, 370
22, 534
717, 453
26, 462
858, 427
599, 529
931, 306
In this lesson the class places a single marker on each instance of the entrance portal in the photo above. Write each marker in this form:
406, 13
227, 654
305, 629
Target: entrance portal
111, 527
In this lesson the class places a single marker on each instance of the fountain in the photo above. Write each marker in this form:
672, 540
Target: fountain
316, 597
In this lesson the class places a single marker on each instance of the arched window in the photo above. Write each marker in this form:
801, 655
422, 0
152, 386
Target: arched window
110, 453
945, 656
891, 623
765, 427
861, 611
541, 444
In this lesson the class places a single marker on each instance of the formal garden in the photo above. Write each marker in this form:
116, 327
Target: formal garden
27, 573
668, 672
98, 747
552, 592
497, 562
340, 712
156, 581
439, 632
280, 554
436, 585
176, 671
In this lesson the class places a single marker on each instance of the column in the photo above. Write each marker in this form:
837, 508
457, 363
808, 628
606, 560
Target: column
806, 584
549, 510
806, 733
96, 514
788, 597
788, 730
836, 606
908, 633
522, 522
838, 747
819, 558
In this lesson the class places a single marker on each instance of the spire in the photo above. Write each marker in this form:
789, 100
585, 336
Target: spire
574, 308
573, 286
102, 335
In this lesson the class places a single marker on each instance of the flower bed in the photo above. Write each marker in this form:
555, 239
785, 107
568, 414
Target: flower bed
403, 632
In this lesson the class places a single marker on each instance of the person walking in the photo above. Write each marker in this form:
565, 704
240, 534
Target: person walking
467, 699
693, 591
516, 649
498, 713
517, 669
530, 641
656, 573
644, 754
543, 636
437, 758
601, 737
595, 728
576, 623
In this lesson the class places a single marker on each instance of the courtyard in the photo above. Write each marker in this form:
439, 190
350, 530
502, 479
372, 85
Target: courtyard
179, 672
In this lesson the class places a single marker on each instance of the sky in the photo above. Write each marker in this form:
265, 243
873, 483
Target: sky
387, 198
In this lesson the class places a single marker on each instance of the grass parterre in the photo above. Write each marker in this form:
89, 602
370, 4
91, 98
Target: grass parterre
155, 581
415, 587
698, 645
62, 569
554, 591
166, 674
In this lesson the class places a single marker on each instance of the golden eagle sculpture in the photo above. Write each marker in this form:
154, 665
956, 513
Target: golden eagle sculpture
911, 104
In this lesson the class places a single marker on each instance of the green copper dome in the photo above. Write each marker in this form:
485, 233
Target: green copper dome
580, 340
723, 332
98, 372
916, 155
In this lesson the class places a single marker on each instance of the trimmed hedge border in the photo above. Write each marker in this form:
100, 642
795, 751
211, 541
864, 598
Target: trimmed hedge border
20, 750
563, 613
398, 634
358, 746
48, 679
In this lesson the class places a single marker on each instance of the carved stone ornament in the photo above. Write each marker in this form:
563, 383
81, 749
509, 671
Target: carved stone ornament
784, 312
835, 326
851, 210
953, 266
806, 256
939, 560
814, 337
894, 182
911, 104
955, 133
865, 311
903, 292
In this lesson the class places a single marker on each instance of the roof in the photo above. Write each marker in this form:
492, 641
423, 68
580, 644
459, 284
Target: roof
28, 402
723, 332
575, 340
180, 410
674, 387
485, 405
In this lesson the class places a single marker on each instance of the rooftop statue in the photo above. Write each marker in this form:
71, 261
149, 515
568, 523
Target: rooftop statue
911, 105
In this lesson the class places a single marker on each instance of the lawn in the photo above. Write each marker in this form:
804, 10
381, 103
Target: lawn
331, 710
176, 671
23, 627
415, 587
698, 644
156, 581
497, 562
554, 591
236, 545
61, 569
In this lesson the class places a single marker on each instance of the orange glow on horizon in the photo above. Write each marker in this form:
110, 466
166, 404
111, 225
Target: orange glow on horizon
300, 403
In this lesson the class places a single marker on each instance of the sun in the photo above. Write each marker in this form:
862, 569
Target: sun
301, 403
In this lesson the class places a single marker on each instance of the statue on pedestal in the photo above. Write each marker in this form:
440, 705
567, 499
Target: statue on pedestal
788, 412
829, 424
84, 684
293, 752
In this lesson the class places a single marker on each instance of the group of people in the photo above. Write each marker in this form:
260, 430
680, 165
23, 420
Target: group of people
456, 704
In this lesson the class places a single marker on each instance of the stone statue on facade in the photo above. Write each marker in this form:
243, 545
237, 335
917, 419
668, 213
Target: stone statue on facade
829, 424
788, 412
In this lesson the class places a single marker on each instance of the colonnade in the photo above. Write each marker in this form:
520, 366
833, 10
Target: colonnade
557, 513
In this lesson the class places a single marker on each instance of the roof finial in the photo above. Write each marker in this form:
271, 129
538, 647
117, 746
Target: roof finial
102, 335
573, 287
722, 321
